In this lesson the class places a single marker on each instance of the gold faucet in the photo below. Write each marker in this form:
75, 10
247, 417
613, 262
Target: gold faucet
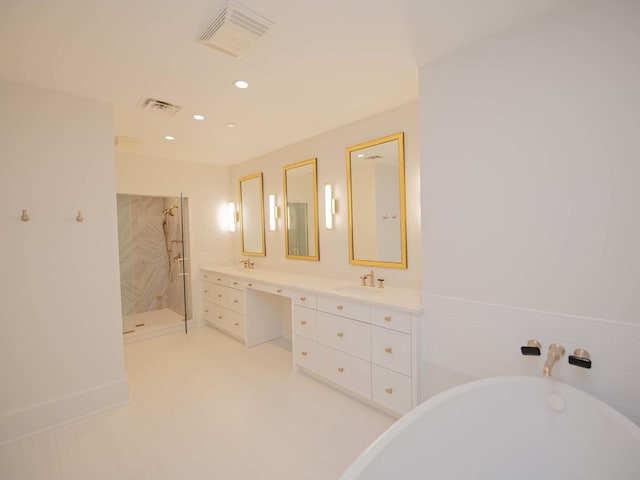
555, 352
371, 277
248, 263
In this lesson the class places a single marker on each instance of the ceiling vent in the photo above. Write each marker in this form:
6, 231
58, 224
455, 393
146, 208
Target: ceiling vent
160, 106
125, 142
235, 31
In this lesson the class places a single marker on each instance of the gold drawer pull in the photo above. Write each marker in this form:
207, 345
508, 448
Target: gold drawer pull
302, 299
387, 318
303, 322
235, 283
339, 307
219, 295
206, 310
251, 284
388, 349
340, 370
279, 290
206, 291
389, 390
218, 279
340, 334
237, 324
304, 354
219, 317
235, 301
206, 276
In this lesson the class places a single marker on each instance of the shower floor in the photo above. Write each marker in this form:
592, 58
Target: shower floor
156, 323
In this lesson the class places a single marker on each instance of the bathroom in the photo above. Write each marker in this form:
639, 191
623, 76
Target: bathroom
511, 235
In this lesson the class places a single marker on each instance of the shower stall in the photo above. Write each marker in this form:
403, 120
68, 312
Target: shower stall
154, 264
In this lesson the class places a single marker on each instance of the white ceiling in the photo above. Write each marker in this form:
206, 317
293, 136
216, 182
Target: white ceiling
324, 64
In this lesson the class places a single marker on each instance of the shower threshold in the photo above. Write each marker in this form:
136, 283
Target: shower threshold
154, 323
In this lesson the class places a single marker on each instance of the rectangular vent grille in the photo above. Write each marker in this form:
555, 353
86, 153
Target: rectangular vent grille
160, 106
235, 30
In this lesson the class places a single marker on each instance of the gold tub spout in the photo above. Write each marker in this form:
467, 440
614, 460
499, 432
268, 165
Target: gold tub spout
555, 352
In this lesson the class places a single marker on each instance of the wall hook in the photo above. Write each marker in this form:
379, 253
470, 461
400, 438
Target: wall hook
80, 217
25, 216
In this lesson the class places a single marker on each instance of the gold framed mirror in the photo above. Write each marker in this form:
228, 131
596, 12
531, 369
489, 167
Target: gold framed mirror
376, 203
301, 210
252, 215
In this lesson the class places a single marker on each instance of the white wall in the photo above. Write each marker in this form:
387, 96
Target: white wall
330, 151
529, 145
208, 189
60, 340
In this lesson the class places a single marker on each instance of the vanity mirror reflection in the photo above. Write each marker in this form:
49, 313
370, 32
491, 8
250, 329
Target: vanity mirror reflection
252, 215
376, 203
301, 210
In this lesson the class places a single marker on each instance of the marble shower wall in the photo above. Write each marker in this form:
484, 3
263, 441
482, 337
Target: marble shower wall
144, 275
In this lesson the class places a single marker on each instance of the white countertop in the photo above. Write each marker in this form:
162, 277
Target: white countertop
400, 298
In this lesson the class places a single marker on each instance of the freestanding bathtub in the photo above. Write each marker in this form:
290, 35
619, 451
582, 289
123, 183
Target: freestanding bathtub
515, 428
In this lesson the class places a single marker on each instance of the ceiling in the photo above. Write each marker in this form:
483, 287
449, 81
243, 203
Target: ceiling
324, 64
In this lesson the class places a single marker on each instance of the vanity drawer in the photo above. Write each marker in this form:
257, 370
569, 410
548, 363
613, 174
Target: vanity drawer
305, 353
391, 349
223, 279
345, 308
270, 288
227, 297
345, 370
305, 299
304, 322
207, 276
225, 319
391, 389
393, 319
349, 336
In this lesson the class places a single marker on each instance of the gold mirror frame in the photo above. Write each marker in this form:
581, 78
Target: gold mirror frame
251, 210
373, 218
315, 254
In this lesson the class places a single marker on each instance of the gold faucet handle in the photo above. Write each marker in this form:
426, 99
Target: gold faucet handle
381, 283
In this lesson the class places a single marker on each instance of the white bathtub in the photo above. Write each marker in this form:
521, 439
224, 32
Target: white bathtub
513, 428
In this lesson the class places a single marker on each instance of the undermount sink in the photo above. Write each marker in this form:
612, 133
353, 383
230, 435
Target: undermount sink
360, 290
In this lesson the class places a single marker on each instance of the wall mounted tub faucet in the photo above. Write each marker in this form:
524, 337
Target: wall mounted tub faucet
555, 352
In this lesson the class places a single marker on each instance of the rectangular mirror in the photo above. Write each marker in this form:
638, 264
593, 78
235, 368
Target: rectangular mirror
301, 210
376, 203
252, 215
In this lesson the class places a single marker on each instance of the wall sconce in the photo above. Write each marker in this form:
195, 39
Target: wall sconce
233, 217
274, 212
329, 206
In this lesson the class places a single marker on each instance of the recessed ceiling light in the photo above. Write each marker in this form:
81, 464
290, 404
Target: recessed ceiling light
360, 155
197, 116
169, 137
241, 84
231, 125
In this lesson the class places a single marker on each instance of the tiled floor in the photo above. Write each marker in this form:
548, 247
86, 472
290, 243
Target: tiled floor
205, 407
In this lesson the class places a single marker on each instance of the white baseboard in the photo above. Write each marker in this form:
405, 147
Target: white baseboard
27, 421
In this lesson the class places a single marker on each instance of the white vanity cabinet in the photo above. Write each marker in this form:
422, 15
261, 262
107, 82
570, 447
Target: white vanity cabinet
368, 348
223, 303
362, 348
